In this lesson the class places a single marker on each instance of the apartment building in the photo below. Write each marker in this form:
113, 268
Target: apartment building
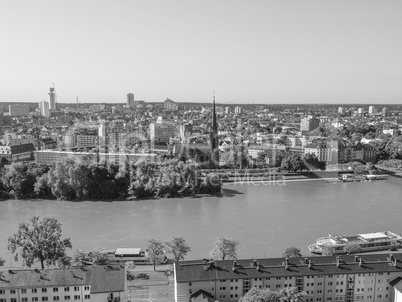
366, 278
161, 130
89, 284
18, 110
16, 153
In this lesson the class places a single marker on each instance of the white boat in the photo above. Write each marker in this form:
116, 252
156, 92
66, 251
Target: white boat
370, 242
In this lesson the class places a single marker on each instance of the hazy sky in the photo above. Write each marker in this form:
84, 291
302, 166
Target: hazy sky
251, 51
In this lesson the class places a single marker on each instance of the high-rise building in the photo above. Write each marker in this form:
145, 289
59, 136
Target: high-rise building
238, 110
372, 110
18, 110
44, 109
130, 100
341, 110
384, 111
227, 110
360, 111
309, 123
111, 134
52, 99
170, 105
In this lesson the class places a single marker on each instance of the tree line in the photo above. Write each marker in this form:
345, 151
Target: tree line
74, 180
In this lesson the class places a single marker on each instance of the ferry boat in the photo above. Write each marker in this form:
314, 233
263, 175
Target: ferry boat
370, 242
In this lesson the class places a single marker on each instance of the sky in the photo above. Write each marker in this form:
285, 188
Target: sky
250, 51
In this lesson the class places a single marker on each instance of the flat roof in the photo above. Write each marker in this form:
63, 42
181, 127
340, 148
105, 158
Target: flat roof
369, 236
127, 251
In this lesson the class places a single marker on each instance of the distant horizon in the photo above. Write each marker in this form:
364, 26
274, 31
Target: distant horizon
256, 51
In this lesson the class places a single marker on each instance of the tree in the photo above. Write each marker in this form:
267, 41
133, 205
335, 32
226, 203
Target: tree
178, 247
155, 251
224, 248
352, 248
288, 294
39, 240
292, 252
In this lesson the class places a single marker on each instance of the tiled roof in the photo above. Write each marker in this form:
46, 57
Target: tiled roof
188, 271
44, 278
107, 279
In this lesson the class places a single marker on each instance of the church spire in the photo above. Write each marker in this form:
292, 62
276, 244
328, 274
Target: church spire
214, 125
214, 139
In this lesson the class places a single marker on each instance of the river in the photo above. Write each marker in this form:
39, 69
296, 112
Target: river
265, 219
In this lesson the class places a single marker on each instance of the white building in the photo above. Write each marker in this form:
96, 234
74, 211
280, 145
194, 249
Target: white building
18, 110
372, 110
238, 110
52, 99
44, 109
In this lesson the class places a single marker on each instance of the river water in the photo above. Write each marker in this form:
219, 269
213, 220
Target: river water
265, 219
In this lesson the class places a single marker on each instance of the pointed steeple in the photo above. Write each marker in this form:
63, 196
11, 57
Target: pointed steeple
214, 125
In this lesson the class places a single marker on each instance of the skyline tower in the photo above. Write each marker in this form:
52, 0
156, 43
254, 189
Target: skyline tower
52, 98
130, 100
214, 140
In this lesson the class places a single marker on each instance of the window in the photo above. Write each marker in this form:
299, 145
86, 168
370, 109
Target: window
23, 291
2, 300
55, 289
278, 286
67, 298
13, 300
34, 299
44, 298
56, 298
12, 291
87, 297
66, 289
34, 290
44, 290
329, 283
77, 297
222, 288
2, 292
24, 299
189, 284
76, 288
86, 288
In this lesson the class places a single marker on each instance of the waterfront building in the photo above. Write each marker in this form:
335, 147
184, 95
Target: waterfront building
367, 278
322, 150
87, 284
309, 123
18, 152
168, 104
44, 109
18, 110
53, 156
52, 99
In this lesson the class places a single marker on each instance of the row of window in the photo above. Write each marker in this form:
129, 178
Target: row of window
43, 290
45, 299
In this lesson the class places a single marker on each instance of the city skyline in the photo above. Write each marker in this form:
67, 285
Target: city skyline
291, 52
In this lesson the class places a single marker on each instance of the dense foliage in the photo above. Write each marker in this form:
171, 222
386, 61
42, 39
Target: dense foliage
74, 180
266, 295
39, 240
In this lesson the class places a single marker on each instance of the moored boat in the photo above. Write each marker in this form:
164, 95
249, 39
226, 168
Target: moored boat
370, 242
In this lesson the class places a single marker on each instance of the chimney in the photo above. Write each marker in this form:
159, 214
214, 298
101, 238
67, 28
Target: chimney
391, 257
356, 258
360, 262
234, 266
258, 266
306, 261
286, 263
310, 264
254, 262
338, 261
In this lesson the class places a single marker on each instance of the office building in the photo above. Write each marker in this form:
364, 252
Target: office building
238, 110
366, 278
18, 110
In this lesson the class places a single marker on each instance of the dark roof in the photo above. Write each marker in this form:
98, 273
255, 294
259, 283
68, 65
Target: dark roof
107, 279
187, 271
47, 140
44, 278
201, 295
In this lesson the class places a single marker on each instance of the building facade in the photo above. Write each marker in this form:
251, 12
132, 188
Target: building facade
168, 104
309, 123
130, 100
367, 278
18, 110
44, 109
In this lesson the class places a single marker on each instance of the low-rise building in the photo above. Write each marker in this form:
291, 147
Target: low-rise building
368, 278
88, 284
14, 153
